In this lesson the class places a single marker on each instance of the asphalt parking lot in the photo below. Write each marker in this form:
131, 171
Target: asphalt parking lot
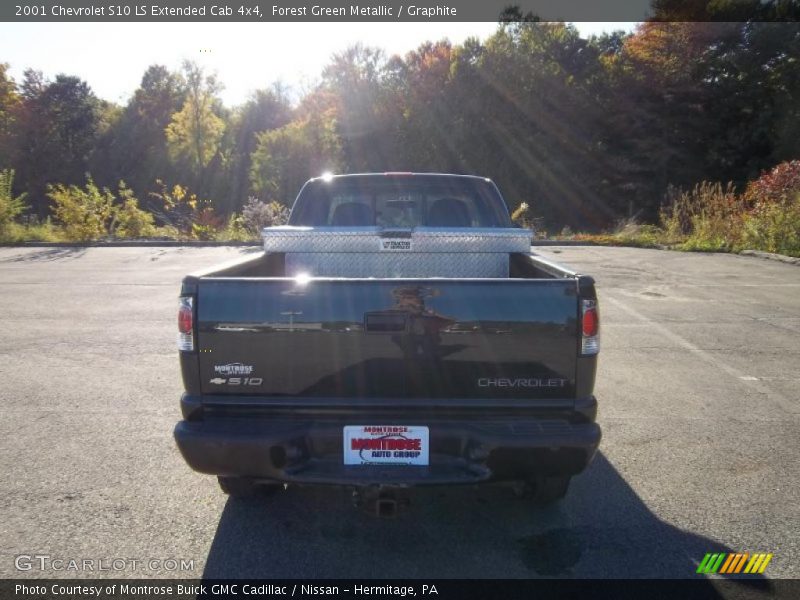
699, 389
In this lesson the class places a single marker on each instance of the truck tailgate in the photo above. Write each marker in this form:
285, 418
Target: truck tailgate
392, 338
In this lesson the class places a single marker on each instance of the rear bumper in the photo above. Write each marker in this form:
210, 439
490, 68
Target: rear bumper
463, 450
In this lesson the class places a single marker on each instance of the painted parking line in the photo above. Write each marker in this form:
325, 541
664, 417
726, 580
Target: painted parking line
786, 404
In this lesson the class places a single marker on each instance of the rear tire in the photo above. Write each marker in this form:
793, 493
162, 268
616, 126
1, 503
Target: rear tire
242, 487
547, 489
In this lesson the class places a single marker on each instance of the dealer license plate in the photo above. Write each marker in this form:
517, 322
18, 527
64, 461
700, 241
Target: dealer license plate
386, 445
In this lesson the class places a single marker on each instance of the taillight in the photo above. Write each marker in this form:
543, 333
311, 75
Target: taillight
590, 327
185, 324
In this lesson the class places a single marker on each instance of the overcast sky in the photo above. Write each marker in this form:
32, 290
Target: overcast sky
112, 57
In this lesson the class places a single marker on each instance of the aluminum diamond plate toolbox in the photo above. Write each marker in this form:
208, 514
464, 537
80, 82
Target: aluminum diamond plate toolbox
376, 252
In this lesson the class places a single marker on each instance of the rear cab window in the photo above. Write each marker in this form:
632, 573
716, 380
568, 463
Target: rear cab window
400, 202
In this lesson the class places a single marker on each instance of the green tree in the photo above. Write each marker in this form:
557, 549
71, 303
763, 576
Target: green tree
264, 111
195, 131
285, 158
10, 206
57, 133
353, 81
525, 113
136, 143
10, 104
429, 128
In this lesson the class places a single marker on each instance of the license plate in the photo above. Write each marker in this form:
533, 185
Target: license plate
385, 445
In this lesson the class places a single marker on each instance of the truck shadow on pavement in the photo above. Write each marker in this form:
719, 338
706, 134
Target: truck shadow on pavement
601, 530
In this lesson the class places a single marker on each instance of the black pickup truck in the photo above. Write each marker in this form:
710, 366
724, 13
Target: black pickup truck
385, 382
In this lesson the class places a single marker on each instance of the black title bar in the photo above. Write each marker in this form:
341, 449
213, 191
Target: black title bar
697, 588
389, 10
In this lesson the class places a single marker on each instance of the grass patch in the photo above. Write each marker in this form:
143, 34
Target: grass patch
628, 233
32, 231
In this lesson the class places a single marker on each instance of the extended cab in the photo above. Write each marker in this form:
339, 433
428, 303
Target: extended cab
380, 367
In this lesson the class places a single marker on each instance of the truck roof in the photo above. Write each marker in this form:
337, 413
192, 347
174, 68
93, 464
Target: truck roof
331, 176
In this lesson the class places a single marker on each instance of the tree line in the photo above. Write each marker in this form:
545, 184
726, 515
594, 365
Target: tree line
585, 132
